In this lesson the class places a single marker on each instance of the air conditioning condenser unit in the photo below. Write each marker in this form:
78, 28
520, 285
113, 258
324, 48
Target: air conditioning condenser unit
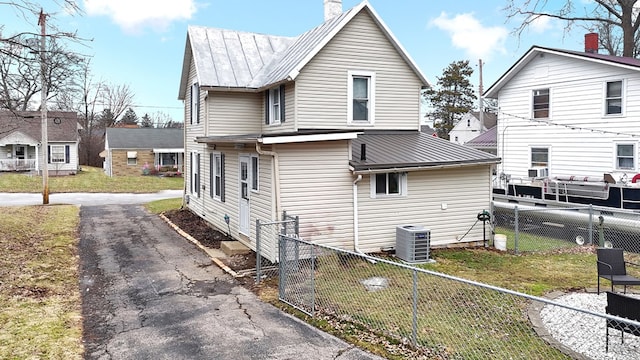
412, 243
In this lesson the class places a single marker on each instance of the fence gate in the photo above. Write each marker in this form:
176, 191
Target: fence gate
267, 237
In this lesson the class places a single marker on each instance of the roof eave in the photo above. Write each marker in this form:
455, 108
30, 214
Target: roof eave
380, 168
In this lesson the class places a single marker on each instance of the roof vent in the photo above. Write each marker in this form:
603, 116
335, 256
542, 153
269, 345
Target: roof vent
363, 152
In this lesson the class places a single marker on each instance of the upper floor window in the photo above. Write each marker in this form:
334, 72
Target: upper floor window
274, 105
388, 184
613, 100
625, 156
540, 103
539, 157
195, 104
361, 93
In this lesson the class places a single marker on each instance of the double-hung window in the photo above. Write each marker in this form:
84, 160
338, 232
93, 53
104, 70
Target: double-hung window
625, 156
274, 105
195, 174
613, 99
388, 184
539, 157
57, 154
195, 104
361, 97
541, 103
216, 166
255, 172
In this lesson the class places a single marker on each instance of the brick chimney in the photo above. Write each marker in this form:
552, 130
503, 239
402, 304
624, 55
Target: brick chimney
332, 8
591, 43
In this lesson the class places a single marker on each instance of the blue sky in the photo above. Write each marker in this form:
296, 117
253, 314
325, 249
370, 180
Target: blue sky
141, 42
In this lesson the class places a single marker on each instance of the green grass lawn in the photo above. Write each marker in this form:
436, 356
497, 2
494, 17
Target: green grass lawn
90, 179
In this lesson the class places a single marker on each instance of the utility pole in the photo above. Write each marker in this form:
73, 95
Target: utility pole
44, 148
480, 105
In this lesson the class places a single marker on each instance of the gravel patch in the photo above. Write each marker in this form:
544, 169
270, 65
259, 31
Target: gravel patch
584, 333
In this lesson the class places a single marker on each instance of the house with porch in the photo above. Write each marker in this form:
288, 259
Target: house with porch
143, 151
325, 126
566, 113
20, 142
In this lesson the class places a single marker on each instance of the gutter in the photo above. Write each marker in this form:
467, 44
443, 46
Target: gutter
418, 168
356, 234
276, 176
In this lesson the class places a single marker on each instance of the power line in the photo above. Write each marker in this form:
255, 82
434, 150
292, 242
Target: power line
569, 126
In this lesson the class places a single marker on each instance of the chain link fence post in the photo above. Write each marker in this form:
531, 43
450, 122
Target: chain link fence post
258, 253
590, 227
517, 229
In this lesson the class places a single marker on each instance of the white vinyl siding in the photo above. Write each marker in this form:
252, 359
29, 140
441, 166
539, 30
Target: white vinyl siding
233, 113
321, 87
462, 192
583, 139
316, 185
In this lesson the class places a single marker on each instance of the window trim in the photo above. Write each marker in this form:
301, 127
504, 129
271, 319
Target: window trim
216, 174
351, 75
607, 98
402, 182
195, 174
255, 172
635, 155
64, 156
533, 104
195, 104
546, 147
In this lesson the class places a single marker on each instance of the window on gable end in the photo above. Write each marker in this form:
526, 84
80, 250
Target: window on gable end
613, 100
361, 97
541, 104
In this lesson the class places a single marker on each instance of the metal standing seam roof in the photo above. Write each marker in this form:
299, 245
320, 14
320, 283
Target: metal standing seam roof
487, 139
62, 126
231, 59
145, 138
407, 149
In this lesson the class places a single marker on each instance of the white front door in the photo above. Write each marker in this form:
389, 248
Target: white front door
244, 195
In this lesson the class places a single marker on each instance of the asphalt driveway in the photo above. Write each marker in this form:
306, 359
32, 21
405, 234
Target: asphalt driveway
147, 293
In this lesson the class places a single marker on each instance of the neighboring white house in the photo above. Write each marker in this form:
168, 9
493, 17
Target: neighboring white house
324, 126
20, 142
568, 113
469, 126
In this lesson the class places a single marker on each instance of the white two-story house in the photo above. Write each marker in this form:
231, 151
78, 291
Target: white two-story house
324, 126
568, 113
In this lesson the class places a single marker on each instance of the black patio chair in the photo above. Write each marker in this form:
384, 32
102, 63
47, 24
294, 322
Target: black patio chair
625, 307
611, 266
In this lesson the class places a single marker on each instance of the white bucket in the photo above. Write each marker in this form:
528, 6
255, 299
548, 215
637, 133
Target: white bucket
500, 242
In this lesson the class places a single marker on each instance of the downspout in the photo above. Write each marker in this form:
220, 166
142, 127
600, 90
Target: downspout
355, 215
276, 176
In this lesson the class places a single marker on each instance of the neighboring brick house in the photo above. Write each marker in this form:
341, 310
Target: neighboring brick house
141, 151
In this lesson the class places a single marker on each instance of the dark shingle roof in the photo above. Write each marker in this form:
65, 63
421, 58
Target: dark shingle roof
145, 138
487, 139
62, 126
407, 149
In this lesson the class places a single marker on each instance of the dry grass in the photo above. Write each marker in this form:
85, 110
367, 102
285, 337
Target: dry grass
90, 179
40, 306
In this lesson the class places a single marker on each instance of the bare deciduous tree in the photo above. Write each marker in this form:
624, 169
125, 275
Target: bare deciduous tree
116, 98
617, 19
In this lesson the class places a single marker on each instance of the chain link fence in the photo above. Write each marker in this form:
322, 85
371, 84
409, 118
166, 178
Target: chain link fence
421, 314
267, 236
527, 228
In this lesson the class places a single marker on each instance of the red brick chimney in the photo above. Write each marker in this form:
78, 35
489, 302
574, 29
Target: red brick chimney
591, 43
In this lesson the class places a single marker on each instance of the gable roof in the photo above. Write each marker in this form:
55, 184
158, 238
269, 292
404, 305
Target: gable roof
62, 126
247, 61
145, 138
489, 119
618, 61
404, 150
487, 139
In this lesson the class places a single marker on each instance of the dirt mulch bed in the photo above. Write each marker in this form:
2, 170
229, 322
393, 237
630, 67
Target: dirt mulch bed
209, 236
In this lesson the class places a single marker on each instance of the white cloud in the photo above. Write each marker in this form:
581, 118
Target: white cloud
469, 34
133, 15
541, 24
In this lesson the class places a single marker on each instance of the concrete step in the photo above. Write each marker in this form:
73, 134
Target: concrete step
231, 248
